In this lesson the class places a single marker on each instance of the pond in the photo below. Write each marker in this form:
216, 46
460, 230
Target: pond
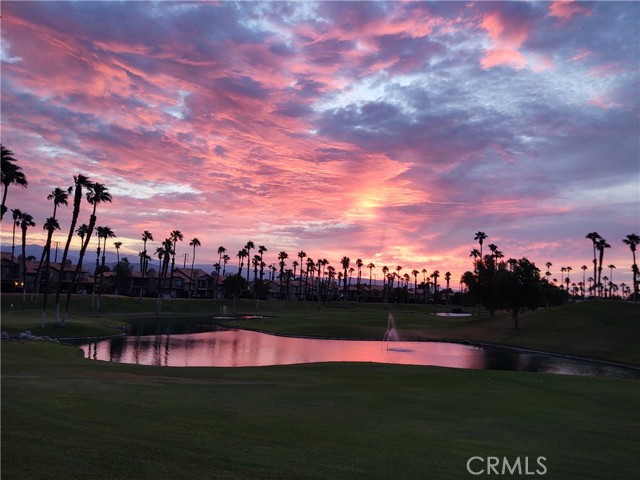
244, 348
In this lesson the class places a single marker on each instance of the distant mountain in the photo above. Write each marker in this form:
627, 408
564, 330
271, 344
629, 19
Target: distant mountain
111, 258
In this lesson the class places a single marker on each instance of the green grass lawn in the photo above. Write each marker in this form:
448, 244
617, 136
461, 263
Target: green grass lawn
71, 418
67, 417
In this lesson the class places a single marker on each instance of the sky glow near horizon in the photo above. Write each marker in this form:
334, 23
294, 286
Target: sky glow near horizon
385, 131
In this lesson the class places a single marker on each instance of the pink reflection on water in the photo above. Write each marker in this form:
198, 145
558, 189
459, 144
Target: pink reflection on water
242, 348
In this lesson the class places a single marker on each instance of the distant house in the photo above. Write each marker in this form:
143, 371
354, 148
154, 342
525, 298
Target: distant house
12, 275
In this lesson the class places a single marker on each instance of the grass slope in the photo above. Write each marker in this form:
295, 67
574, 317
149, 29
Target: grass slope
65, 417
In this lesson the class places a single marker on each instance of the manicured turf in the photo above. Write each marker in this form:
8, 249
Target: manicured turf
67, 417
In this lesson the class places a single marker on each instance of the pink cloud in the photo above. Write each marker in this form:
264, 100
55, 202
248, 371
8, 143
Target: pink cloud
507, 37
565, 9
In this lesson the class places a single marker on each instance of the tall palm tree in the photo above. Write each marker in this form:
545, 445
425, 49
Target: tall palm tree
221, 251
301, 255
175, 237
59, 197
79, 182
248, 248
345, 261
601, 245
480, 237
548, 274
415, 273
385, 284
594, 237
633, 240
241, 254
359, 264
225, 260
282, 256
193, 243
11, 175
610, 267
97, 193
25, 222
165, 253
50, 226
447, 277
261, 250
144, 258
118, 246
584, 269
17, 218
104, 233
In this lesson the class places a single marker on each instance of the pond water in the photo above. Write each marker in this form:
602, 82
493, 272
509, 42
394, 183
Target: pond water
244, 348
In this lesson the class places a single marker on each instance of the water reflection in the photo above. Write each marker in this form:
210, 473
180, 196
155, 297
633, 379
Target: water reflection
242, 348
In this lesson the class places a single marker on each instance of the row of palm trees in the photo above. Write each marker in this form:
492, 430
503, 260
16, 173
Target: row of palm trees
319, 271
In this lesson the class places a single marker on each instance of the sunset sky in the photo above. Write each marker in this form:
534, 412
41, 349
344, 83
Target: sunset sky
390, 132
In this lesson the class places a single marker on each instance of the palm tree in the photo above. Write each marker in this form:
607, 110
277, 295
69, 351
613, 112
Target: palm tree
548, 274
193, 243
594, 237
97, 193
385, 284
104, 233
601, 245
59, 197
633, 240
225, 260
345, 265
435, 275
447, 277
117, 245
165, 253
80, 182
50, 226
175, 236
248, 248
11, 175
282, 256
144, 258
584, 274
25, 222
301, 255
480, 237
17, 218
567, 280
261, 250
610, 267
241, 254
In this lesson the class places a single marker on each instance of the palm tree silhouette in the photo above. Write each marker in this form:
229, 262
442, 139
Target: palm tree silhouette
50, 226
17, 218
193, 243
59, 197
175, 236
345, 261
97, 193
480, 237
601, 245
248, 248
144, 259
118, 246
282, 256
594, 237
261, 250
80, 181
11, 175
26, 221
633, 240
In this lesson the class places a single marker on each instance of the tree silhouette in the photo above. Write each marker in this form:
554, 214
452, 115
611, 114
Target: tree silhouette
26, 221
144, 258
80, 181
193, 243
97, 193
594, 237
633, 240
11, 175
